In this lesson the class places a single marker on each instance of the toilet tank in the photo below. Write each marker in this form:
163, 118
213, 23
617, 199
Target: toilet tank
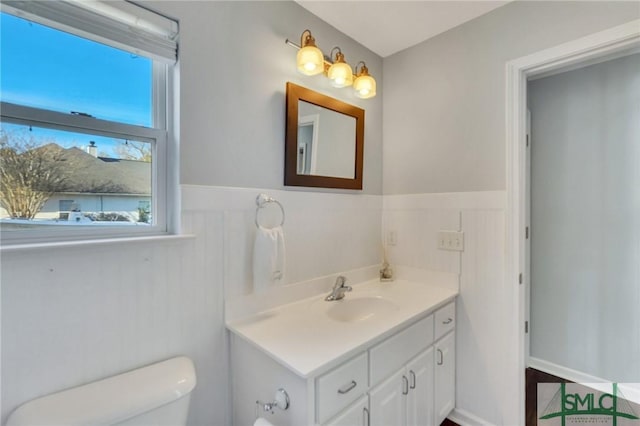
155, 395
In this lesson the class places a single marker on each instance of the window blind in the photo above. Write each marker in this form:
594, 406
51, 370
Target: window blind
120, 24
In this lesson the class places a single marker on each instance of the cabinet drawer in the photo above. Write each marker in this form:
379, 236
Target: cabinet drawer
356, 414
340, 387
393, 353
445, 320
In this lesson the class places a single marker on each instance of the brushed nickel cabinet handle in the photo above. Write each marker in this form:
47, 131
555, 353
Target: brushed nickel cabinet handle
441, 357
447, 321
366, 421
413, 379
405, 385
347, 388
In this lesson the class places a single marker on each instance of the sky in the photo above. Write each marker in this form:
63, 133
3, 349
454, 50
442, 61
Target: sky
46, 68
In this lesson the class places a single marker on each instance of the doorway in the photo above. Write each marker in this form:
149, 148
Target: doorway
584, 226
584, 234
576, 54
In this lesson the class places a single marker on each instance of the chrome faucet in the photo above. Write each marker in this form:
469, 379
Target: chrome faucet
338, 289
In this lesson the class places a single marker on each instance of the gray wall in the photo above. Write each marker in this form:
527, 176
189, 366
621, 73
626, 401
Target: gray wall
444, 99
234, 66
585, 244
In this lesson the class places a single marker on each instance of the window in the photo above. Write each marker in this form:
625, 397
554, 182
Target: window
84, 121
64, 207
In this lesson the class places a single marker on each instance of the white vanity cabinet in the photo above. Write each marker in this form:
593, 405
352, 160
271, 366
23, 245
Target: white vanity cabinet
402, 376
408, 389
445, 362
406, 398
420, 397
357, 414
445, 377
340, 387
387, 402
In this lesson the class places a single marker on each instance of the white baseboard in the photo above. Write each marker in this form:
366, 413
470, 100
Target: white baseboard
630, 391
564, 372
465, 418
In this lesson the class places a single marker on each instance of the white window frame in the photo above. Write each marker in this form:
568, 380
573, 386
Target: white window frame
28, 116
164, 183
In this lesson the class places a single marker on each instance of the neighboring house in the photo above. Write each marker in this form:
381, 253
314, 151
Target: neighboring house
98, 184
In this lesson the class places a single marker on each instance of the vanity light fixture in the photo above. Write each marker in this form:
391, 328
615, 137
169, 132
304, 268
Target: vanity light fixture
364, 85
340, 72
311, 61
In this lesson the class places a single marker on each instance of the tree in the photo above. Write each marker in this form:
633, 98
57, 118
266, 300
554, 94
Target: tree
30, 173
132, 150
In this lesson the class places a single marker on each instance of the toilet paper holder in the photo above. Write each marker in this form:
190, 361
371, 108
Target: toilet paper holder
280, 400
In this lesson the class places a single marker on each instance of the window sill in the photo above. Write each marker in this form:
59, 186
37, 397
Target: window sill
83, 243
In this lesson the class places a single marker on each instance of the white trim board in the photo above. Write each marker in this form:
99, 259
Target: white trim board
518, 71
631, 391
563, 372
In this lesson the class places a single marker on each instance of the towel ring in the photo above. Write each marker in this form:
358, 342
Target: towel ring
261, 201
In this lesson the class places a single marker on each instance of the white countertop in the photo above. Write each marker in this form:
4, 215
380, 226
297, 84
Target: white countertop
305, 339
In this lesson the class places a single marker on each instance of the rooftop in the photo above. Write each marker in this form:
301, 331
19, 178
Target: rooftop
89, 174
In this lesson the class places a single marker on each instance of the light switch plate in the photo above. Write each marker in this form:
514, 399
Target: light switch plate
451, 240
392, 238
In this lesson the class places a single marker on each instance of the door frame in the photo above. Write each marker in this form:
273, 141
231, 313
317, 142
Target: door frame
312, 120
594, 48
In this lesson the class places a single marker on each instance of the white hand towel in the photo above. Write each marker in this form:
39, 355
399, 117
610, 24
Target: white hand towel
268, 258
261, 421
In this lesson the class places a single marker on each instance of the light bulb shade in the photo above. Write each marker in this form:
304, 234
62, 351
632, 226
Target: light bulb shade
365, 86
340, 74
310, 60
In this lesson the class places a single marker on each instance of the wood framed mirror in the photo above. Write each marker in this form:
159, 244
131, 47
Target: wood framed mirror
324, 141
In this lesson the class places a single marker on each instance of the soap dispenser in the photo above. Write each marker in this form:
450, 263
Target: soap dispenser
386, 273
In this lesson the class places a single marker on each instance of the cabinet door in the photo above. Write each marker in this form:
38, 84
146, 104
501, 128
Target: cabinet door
356, 415
388, 401
420, 396
445, 377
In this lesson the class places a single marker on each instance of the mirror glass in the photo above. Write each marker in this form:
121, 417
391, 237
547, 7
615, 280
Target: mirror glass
324, 141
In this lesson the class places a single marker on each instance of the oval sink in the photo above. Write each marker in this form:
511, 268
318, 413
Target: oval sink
359, 309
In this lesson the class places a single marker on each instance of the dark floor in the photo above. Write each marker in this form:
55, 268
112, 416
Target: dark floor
532, 378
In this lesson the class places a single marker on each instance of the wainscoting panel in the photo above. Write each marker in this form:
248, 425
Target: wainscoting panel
481, 307
325, 234
75, 315
480, 341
